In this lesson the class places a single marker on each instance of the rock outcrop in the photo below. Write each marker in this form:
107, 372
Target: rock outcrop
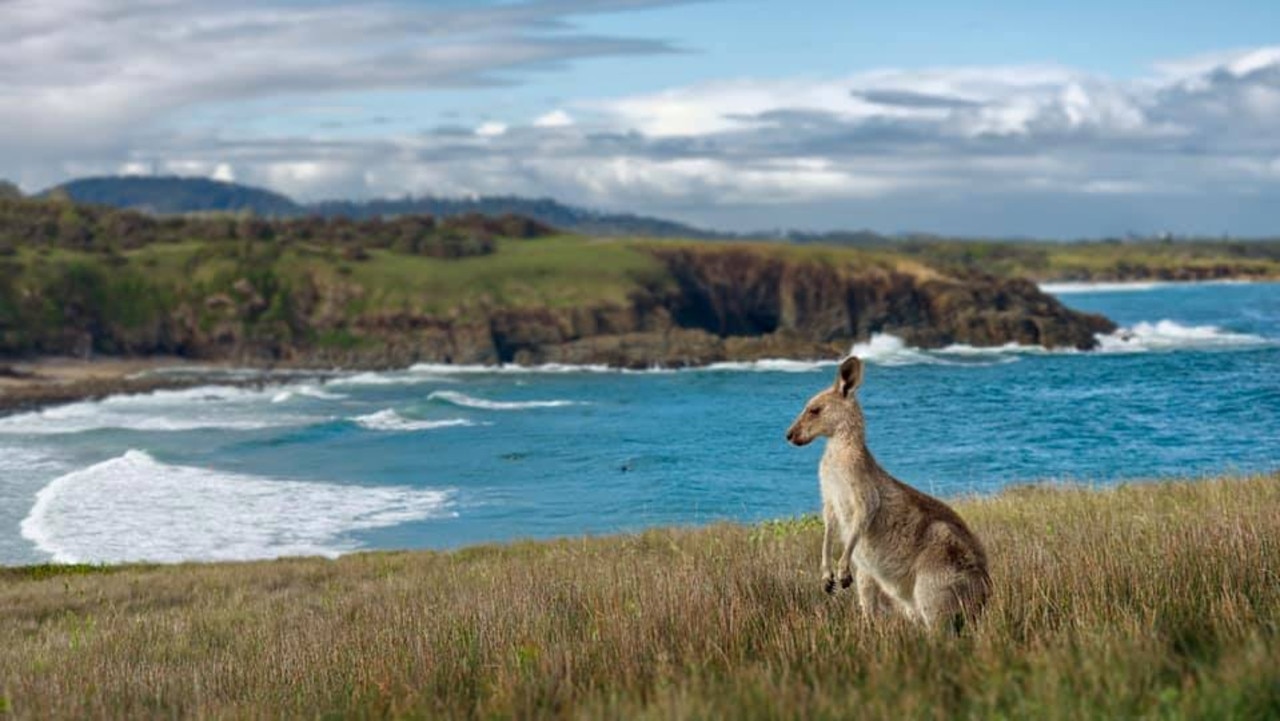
734, 292
713, 303
725, 303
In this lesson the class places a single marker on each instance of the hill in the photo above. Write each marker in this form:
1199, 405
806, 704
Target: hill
1109, 259
383, 293
1152, 601
173, 195
178, 195
544, 210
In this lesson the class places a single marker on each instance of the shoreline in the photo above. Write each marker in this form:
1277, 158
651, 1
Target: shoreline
38, 383
35, 383
967, 501
1071, 287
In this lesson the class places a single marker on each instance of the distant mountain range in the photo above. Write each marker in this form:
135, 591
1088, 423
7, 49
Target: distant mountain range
174, 195
178, 195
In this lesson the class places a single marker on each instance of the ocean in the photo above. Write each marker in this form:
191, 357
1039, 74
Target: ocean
442, 457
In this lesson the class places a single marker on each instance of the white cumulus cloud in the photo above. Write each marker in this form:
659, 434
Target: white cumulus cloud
554, 119
88, 86
491, 129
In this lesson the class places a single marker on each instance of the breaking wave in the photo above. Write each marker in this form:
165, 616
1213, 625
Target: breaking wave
446, 369
1068, 288
772, 365
134, 508
17, 459
1099, 287
1164, 335
465, 401
306, 391
1168, 335
889, 350
201, 408
387, 378
390, 420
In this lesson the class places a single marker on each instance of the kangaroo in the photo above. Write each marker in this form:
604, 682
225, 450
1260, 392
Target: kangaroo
912, 552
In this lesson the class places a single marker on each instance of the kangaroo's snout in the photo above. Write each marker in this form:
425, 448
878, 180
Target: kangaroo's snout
795, 438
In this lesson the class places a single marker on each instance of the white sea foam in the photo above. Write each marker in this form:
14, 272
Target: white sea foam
390, 420
1168, 335
134, 508
889, 350
466, 401
772, 365
19, 459
187, 396
1068, 288
1165, 335
1099, 287
885, 349
305, 391
223, 374
203, 407
390, 378
84, 417
446, 369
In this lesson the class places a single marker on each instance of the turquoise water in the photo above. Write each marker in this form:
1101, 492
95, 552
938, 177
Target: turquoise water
437, 458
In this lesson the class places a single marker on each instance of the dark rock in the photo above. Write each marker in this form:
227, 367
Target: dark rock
717, 303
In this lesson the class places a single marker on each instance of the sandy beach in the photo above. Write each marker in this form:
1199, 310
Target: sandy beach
36, 383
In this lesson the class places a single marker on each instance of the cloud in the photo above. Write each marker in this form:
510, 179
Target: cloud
911, 99
224, 172
1009, 149
554, 119
85, 79
491, 129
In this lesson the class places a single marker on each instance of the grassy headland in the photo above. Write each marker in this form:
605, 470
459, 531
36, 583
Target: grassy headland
1150, 600
82, 280
1107, 260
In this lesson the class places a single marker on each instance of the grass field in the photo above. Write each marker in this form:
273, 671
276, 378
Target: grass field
287, 299
1152, 600
1104, 260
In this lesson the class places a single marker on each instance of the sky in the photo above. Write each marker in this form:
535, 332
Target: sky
976, 118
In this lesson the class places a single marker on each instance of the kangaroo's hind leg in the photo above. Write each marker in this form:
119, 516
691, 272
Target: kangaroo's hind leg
950, 598
874, 601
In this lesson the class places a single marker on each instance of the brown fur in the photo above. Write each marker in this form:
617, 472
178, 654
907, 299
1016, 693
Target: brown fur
911, 552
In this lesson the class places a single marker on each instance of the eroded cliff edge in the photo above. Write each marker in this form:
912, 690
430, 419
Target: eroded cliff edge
636, 304
711, 304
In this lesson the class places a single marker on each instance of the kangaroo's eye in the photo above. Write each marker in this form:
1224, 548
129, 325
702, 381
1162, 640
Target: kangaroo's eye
815, 411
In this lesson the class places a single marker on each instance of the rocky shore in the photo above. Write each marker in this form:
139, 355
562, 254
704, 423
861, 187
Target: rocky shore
701, 304
714, 304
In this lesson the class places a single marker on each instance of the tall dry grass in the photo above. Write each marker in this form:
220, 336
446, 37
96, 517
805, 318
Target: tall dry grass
1156, 601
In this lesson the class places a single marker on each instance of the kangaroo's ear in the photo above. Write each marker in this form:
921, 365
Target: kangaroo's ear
849, 377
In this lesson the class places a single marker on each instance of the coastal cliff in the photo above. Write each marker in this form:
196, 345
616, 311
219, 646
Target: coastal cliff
533, 301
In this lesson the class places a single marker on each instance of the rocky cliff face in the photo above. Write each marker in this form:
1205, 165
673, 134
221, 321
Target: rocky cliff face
715, 303
737, 292
725, 303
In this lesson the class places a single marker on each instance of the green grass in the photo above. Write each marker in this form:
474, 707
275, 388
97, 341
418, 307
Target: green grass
548, 272
561, 271
175, 297
1153, 601
1100, 260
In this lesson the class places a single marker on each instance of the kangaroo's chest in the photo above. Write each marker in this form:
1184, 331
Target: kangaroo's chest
841, 490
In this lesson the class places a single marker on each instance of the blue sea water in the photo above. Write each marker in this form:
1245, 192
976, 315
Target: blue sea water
443, 457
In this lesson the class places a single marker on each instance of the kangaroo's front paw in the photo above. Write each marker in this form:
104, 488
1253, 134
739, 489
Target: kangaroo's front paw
829, 583
846, 579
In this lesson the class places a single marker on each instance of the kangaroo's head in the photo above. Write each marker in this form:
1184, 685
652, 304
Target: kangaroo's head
833, 410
